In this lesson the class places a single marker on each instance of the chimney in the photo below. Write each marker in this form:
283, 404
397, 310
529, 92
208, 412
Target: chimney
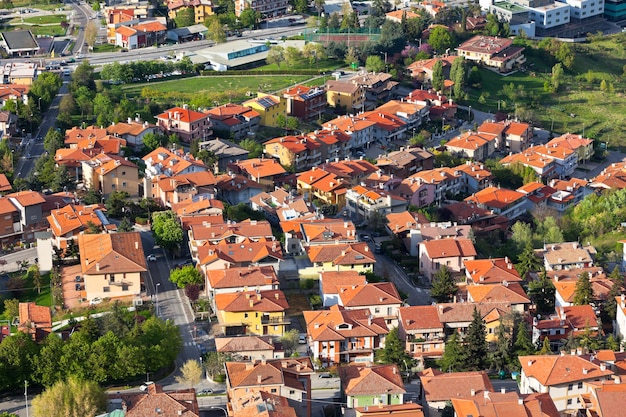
276, 296
530, 362
603, 367
251, 303
585, 371
472, 392
259, 379
137, 245
502, 390
395, 370
520, 401
98, 267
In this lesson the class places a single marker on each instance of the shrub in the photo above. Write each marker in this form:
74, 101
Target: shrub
307, 284
141, 220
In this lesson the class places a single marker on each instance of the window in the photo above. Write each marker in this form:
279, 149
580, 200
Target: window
245, 315
106, 289
569, 401
580, 385
124, 184
113, 186
124, 287
273, 390
377, 310
569, 388
123, 172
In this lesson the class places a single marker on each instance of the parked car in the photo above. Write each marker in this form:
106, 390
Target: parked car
95, 301
206, 391
302, 339
145, 385
151, 257
325, 375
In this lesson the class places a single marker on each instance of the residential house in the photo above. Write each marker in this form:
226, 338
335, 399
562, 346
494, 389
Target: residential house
265, 171
405, 162
228, 255
387, 127
361, 130
22, 73
247, 231
517, 136
509, 293
371, 204
382, 299
169, 403
169, 163
306, 103
576, 187
112, 265
476, 146
140, 35
133, 131
334, 144
413, 114
567, 255
236, 189
252, 312
8, 123
10, 222
321, 185
544, 166
620, 317
315, 232
261, 404
70, 221
565, 284
611, 177
338, 335
240, 279
35, 320
249, 348
76, 134
225, 151
109, 173
422, 69
378, 87
176, 189
185, 123
30, 207
234, 121
269, 108
268, 8
430, 186
422, 332
330, 281
5, 185
350, 171
341, 257
438, 388
299, 152
491, 271
439, 107
371, 385
500, 201
451, 253
345, 95
202, 9
583, 147
563, 377
289, 378
456, 317
603, 400
499, 53
401, 224
503, 404
538, 195
279, 206
567, 322
565, 159
201, 206
475, 177
481, 220
398, 15
14, 93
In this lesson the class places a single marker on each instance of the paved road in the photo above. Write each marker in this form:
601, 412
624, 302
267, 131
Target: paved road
12, 259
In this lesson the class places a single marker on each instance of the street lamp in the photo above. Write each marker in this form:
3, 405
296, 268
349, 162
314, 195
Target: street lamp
157, 298
470, 114
39, 103
26, 395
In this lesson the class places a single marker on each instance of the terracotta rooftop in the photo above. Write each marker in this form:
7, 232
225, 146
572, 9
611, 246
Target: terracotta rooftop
337, 323
176, 161
506, 404
449, 248
270, 372
419, 318
491, 271
511, 293
240, 253
170, 404
27, 198
261, 404
111, 253
401, 222
553, 370
494, 197
75, 134
370, 294
242, 344
73, 218
439, 386
359, 380
261, 301
570, 141
244, 277
251, 229
341, 254
471, 141
331, 280
260, 167
182, 114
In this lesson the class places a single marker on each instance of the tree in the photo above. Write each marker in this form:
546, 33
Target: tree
254, 148
125, 225
248, 18
476, 344
166, 229
53, 141
528, 261
151, 141
440, 39
542, 292
545, 347
16, 353
190, 373
11, 308
35, 275
443, 285
459, 79
502, 354
313, 52
438, 78
290, 340
394, 352
351, 56
214, 363
185, 276
300, 6
452, 359
192, 291
292, 55
116, 202
67, 104
616, 290
374, 63
70, 398
583, 294
557, 77
185, 17
91, 33
215, 30
523, 345
521, 236
333, 22
276, 55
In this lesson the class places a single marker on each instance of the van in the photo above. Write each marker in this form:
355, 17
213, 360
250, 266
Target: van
66, 72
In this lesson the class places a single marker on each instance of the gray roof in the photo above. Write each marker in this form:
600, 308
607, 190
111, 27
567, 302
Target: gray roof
20, 40
223, 148
190, 30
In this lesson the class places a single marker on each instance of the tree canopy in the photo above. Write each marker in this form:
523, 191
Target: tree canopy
185, 276
71, 398
167, 231
394, 351
443, 286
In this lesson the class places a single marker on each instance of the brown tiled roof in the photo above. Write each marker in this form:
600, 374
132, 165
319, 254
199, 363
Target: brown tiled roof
176, 161
5, 185
252, 229
341, 254
512, 293
133, 128
365, 295
190, 220
242, 344
270, 372
463, 312
32, 315
358, 380
75, 134
446, 248
261, 301
261, 167
194, 179
261, 404
250, 277
331, 280
235, 182
181, 403
240, 253
111, 253
550, 370
27, 198
72, 217
190, 207
440, 386
568, 252
324, 325
328, 230
419, 318
401, 222
6, 206
505, 404
492, 271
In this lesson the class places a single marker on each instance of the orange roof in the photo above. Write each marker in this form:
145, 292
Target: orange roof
133, 128
70, 218
5, 185
38, 316
478, 171
294, 144
261, 167
429, 64
551, 370
342, 254
329, 183
182, 114
229, 111
493, 128
311, 176
448, 248
365, 295
350, 169
349, 124
107, 163
360, 380
439, 386
331, 280
111, 253
492, 271
383, 120
529, 158
235, 182
76, 134
419, 318
553, 151
266, 372
151, 27
397, 14
250, 229
27, 198
396, 107
401, 222
249, 277
495, 197
125, 31
516, 128
106, 144
511, 293
570, 141
471, 141
6, 206
189, 220
505, 404
435, 176
239, 254
191, 207
176, 161
194, 179
337, 323
262, 301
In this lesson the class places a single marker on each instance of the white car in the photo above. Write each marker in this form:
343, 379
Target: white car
302, 339
151, 257
145, 386
94, 301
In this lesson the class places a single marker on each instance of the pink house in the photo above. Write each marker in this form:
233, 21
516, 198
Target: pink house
451, 253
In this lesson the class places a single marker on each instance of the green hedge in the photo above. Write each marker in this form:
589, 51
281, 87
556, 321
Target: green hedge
260, 72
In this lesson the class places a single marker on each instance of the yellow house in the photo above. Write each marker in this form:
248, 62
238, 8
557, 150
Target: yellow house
341, 257
202, 9
269, 107
112, 264
252, 312
346, 94
109, 173
492, 322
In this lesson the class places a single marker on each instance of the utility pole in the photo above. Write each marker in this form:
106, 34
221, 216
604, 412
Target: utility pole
26, 395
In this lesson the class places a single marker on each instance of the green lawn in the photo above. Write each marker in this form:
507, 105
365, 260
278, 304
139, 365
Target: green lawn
44, 20
41, 30
105, 47
323, 65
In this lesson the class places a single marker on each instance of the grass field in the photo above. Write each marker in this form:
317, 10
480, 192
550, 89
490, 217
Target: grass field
323, 65
43, 20
40, 30
105, 47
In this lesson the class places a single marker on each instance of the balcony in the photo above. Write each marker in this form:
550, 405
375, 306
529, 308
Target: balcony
275, 321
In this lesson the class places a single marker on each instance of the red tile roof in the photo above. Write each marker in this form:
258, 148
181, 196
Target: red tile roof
262, 301
359, 380
492, 271
342, 254
439, 386
419, 318
182, 114
496, 197
447, 248
337, 323
245, 277
370, 294
111, 253
331, 280
551, 370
